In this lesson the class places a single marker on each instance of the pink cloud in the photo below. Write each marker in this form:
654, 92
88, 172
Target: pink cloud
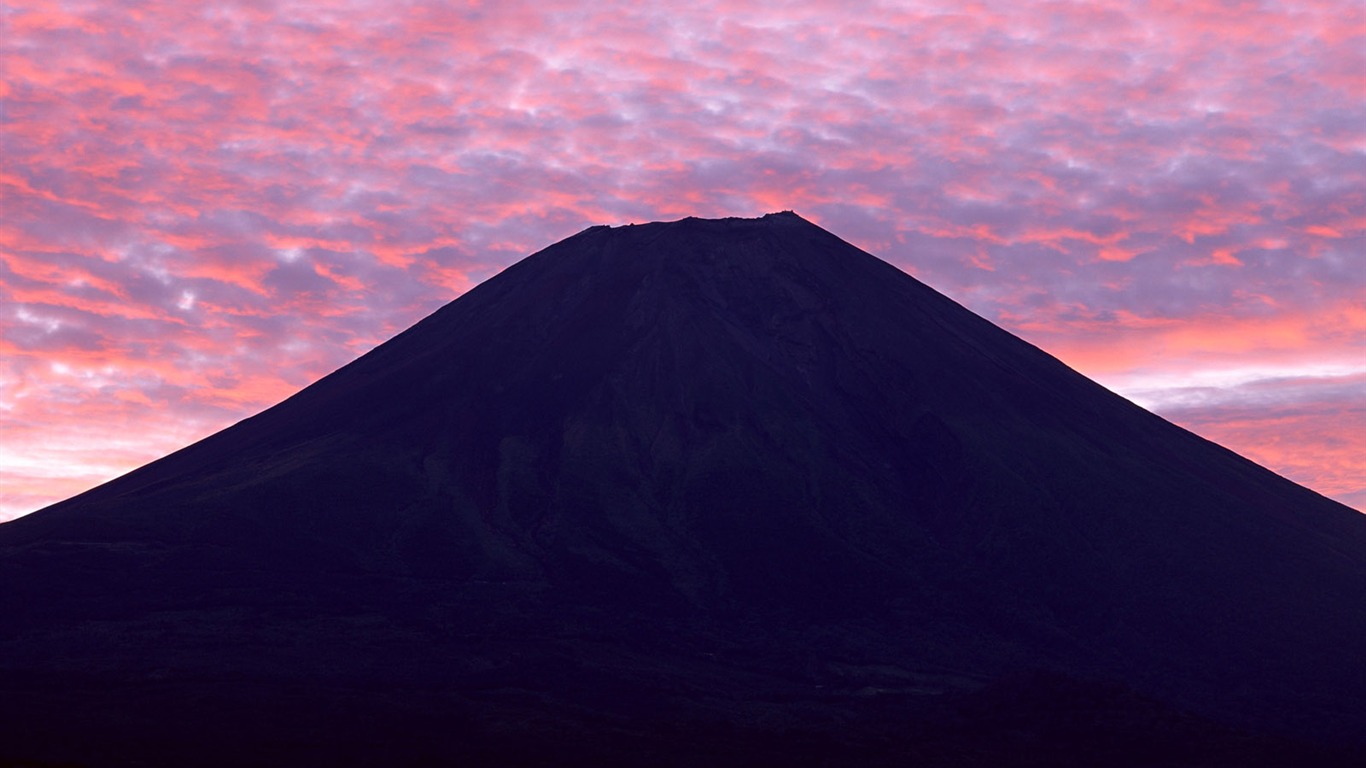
208, 206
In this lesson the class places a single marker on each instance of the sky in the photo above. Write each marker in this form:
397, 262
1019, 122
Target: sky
205, 206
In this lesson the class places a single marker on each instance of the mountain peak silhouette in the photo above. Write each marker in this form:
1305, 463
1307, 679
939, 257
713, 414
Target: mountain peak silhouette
685, 488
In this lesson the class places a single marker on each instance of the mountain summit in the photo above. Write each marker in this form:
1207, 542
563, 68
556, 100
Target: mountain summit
703, 488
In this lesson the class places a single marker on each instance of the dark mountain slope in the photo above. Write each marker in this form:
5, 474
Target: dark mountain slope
736, 471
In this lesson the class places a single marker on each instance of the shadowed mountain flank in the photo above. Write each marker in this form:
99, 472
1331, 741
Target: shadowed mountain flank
705, 489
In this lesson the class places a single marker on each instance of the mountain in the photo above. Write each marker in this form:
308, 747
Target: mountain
684, 493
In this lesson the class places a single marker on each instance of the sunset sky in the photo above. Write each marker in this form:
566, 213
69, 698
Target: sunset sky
207, 206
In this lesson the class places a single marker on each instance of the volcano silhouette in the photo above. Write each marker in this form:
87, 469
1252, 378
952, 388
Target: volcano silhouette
690, 492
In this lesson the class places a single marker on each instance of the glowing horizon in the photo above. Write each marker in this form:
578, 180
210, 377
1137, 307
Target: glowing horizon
208, 206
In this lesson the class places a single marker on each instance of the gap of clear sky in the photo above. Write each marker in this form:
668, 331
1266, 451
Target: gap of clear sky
208, 205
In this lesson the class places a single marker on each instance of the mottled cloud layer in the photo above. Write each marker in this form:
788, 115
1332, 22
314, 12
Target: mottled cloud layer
208, 205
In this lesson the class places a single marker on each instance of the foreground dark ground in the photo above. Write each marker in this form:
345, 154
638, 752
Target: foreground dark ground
1029, 720
694, 493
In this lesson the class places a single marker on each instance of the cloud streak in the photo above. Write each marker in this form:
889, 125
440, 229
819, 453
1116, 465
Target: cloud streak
209, 205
